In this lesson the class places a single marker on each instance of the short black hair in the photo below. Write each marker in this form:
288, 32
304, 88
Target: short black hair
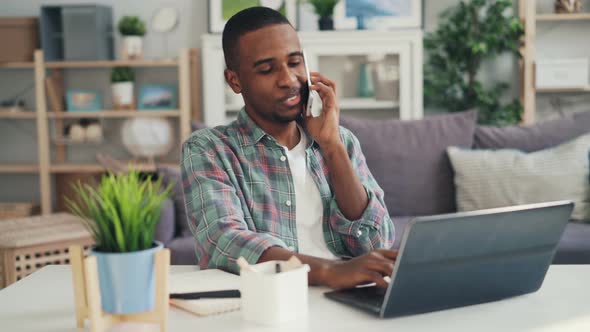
247, 20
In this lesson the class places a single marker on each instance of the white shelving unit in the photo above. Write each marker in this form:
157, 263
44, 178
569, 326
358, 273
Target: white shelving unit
336, 54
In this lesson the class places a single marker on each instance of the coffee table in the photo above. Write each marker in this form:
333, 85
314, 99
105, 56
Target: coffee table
44, 302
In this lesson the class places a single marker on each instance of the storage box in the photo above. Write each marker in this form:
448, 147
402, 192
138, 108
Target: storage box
77, 32
563, 73
271, 298
28, 244
19, 37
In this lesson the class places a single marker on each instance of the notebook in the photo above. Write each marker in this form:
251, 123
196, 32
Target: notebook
203, 281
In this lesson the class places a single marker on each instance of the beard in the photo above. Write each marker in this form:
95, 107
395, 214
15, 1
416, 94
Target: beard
284, 118
276, 113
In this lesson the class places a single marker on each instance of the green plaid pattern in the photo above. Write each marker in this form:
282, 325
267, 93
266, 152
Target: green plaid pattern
240, 197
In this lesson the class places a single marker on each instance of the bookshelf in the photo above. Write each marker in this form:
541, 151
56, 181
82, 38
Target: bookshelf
187, 65
116, 114
530, 18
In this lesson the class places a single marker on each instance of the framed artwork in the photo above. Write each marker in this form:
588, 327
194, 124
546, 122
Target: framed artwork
220, 11
83, 100
378, 14
157, 97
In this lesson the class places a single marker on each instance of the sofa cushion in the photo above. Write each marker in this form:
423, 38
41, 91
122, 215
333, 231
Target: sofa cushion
574, 246
409, 161
172, 175
197, 125
495, 178
166, 228
400, 224
182, 251
535, 137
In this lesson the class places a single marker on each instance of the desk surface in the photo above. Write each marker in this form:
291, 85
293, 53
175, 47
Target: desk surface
44, 302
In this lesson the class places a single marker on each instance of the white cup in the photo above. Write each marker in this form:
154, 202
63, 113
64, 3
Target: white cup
272, 298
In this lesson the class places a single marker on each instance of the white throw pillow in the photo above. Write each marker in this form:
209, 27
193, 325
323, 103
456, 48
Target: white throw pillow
496, 178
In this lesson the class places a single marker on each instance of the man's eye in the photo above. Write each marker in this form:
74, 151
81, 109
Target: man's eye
265, 71
295, 63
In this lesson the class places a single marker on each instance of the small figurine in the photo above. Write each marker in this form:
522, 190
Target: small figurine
568, 6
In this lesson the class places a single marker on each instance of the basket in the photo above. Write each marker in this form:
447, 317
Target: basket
15, 210
28, 244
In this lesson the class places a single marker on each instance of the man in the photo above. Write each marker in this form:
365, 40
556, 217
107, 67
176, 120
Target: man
275, 183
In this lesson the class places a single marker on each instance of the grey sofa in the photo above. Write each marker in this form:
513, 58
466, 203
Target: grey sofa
408, 159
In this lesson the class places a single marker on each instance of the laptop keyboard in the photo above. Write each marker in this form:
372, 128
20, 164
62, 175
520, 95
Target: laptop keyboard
366, 297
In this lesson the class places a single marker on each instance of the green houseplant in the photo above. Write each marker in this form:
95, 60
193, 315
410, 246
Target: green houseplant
469, 34
122, 214
325, 10
122, 74
122, 79
132, 28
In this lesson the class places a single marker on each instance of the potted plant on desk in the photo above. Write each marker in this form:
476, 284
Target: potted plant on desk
132, 28
122, 86
121, 214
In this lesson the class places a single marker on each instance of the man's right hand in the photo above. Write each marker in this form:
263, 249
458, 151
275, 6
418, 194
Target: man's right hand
365, 269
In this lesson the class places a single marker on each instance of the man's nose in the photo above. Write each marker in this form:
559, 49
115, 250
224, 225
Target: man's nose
287, 77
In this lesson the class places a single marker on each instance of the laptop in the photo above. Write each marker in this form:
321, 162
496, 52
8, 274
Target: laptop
459, 259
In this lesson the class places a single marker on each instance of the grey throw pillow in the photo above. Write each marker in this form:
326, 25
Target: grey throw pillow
535, 137
497, 178
409, 161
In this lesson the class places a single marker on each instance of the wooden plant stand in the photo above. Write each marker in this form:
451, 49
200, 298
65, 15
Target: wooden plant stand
87, 293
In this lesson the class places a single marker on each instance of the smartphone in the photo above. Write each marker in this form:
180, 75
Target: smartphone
313, 107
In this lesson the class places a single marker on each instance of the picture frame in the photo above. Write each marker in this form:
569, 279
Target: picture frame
83, 100
379, 16
221, 10
157, 97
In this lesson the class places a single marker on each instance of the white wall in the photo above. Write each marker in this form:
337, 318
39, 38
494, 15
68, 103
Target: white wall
17, 138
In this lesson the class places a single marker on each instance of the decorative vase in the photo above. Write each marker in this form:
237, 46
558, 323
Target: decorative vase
132, 47
123, 95
365, 87
126, 280
326, 23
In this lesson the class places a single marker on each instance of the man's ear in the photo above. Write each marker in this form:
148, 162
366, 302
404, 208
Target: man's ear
231, 77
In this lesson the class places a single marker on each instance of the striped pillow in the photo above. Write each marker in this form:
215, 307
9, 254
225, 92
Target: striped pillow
495, 178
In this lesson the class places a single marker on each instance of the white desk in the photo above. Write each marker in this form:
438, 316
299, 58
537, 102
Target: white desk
44, 302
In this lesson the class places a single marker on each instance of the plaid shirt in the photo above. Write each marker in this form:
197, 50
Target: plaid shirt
240, 197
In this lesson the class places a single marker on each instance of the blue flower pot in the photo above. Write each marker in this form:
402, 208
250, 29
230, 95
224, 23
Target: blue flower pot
126, 280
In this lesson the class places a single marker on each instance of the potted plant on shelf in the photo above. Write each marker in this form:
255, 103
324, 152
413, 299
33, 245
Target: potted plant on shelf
132, 28
122, 86
325, 10
121, 214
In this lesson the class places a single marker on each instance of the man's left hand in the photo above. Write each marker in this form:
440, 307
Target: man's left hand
325, 128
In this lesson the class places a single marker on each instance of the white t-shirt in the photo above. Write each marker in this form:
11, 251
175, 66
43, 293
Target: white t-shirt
309, 209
